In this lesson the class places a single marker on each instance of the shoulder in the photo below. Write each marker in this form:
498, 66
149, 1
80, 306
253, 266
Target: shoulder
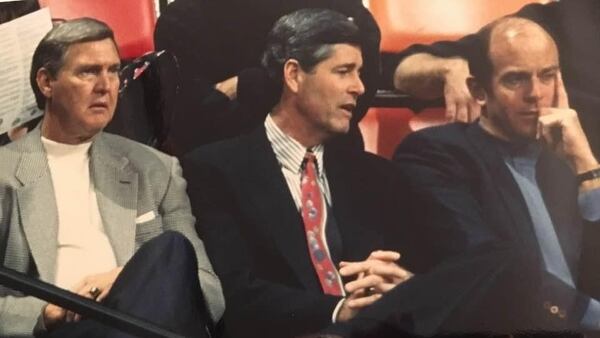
12, 154
141, 156
453, 134
229, 152
450, 149
353, 158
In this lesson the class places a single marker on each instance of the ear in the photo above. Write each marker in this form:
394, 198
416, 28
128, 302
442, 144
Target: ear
44, 79
477, 91
292, 75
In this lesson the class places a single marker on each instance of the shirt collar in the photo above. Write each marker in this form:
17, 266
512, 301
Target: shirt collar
289, 152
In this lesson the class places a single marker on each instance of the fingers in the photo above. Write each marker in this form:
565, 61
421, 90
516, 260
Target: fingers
382, 255
381, 278
360, 302
465, 111
353, 268
450, 111
460, 105
102, 296
385, 255
391, 272
474, 111
367, 282
462, 112
561, 100
376, 258
550, 120
228, 87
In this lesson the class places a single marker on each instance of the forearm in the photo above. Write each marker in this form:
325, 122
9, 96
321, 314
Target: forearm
424, 75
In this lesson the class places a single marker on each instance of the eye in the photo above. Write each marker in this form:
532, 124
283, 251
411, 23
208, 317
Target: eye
515, 80
547, 77
114, 69
343, 71
88, 72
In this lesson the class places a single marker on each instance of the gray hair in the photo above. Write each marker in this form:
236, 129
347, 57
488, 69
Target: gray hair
50, 52
306, 35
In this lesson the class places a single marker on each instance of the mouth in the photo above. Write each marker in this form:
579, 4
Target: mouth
99, 105
530, 114
349, 107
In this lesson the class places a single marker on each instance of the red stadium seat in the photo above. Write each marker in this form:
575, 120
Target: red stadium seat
406, 22
383, 128
132, 21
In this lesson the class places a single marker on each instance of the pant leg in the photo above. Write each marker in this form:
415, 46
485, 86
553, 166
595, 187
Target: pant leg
160, 285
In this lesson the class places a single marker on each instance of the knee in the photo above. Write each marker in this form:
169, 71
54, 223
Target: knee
174, 241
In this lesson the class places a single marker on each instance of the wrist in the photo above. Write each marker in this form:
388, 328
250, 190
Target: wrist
589, 180
583, 163
455, 68
345, 313
589, 175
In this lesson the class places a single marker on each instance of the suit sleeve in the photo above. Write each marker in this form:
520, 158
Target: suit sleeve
255, 302
454, 226
545, 15
177, 216
18, 314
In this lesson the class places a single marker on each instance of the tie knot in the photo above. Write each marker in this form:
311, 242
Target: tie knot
309, 163
310, 157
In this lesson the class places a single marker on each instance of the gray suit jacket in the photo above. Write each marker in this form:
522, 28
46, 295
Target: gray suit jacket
130, 180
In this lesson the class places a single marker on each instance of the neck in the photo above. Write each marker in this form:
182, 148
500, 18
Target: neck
54, 130
488, 126
293, 124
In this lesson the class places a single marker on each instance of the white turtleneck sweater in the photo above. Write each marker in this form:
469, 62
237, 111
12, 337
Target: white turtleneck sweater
83, 246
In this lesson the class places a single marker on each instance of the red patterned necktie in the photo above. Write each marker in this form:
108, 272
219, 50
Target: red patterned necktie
312, 215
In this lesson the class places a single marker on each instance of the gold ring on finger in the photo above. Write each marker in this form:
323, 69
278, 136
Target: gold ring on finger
94, 292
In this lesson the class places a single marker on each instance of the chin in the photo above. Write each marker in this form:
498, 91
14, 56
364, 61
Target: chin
341, 129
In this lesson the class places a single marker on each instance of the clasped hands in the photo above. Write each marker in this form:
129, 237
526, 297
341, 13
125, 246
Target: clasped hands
94, 287
376, 275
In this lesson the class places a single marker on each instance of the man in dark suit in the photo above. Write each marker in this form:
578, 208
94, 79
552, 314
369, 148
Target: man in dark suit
440, 69
221, 42
501, 202
522, 177
293, 229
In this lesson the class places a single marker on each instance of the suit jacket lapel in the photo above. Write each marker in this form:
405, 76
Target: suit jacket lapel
37, 205
273, 198
504, 183
116, 190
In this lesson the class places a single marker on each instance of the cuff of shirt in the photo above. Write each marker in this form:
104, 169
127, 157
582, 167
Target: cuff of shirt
336, 310
591, 318
589, 205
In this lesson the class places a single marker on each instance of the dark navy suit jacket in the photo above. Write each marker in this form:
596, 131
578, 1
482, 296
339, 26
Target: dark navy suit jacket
255, 237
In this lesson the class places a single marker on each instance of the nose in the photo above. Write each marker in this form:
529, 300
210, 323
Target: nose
105, 81
357, 88
534, 91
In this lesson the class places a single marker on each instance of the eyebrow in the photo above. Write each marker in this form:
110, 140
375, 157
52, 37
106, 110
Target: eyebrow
97, 66
550, 69
350, 65
524, 72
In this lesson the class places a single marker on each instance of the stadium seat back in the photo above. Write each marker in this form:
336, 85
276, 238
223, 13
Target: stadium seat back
405, 22
132, 21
